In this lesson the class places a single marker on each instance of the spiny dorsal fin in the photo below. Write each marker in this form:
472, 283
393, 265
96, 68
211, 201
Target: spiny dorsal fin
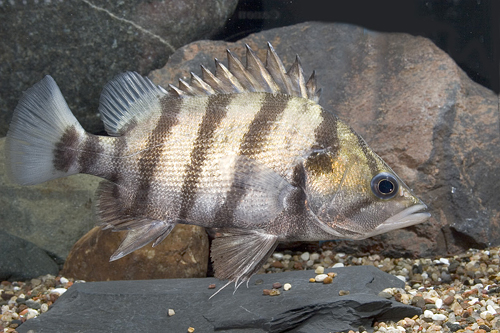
254, 77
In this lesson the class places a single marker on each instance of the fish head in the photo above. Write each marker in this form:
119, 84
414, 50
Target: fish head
354, 194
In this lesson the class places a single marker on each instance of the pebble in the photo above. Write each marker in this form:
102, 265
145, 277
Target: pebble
171, 312
319, 270
327, 280
456, 294
320, 277
211, 286
276, 285
190, 329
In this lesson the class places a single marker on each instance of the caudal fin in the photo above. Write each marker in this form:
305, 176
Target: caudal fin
40, 121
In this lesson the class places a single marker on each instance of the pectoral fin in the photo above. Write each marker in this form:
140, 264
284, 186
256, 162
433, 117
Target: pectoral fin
257, 194
141, 236
237, 254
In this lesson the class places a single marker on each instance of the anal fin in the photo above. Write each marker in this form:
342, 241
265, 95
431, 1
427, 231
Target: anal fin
237, 254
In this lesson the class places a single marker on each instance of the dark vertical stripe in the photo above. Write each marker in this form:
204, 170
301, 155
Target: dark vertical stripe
151, 157
215, 112
89, 158
253, 142
260, 128
66, 150
326, 134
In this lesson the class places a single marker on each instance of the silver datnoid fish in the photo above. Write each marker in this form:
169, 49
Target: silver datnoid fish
247, 152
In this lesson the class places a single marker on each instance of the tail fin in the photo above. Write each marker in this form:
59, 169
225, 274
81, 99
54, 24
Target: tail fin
40, 121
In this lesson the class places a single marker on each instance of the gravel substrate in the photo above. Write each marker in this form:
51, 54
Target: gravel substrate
456, 294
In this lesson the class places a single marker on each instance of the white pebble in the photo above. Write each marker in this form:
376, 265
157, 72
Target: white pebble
59, 291
44, 308
309, 263
438, 316
428, 314
64, 280
444, 261
314, 256
287, 256
278, 256
401, 277
439, 303
319, 270
340, 255
320, 277
305, 256
339, 264
287, 286
171, 312
32, 313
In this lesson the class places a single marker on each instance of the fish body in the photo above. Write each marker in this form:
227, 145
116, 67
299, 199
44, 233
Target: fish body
247, 152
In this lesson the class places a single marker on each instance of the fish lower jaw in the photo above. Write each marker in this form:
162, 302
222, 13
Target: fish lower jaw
407, 217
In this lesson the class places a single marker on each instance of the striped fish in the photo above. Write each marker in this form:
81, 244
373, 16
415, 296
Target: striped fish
247, 152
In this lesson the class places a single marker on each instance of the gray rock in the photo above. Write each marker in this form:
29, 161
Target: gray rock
132, 306
415, 108
84, 44
52, 215
21, 260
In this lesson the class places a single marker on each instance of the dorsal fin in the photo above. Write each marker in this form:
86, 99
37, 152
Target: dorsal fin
126, 99
254, 77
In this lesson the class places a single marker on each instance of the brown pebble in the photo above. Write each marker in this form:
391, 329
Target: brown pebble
469, 292
332, 274
266, 292
448, 300
211, 286
297, 265
21, 307
344, 292
7, 295
328, 280
312, 280
277, 285
397, 297
428, 301
277, 264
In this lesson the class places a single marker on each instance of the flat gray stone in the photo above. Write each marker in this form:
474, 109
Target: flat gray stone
21, 260
142, 306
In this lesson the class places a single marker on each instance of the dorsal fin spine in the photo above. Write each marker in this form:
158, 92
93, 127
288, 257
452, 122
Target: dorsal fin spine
254, 77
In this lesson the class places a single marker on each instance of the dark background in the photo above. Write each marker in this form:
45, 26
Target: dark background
468, 30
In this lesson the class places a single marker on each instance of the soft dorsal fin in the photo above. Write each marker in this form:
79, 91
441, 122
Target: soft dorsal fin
254, 77
126, 99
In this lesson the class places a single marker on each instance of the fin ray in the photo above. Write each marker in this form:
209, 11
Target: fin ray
128, 98
40, 119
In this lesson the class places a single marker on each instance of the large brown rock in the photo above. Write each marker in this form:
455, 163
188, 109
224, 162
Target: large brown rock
183, 254
413, 105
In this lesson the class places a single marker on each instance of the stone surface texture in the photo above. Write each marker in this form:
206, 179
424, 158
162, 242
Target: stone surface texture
183, 254
84, 44
22, 260
131, 306
413, 105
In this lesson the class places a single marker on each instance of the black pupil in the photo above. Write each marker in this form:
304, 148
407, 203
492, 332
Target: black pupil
385, 186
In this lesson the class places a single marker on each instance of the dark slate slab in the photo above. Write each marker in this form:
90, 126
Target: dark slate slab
22, 260
142, 306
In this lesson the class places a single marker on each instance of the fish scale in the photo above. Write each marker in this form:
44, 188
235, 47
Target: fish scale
247, 153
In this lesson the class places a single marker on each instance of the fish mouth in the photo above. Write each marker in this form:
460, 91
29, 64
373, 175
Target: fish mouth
405, 218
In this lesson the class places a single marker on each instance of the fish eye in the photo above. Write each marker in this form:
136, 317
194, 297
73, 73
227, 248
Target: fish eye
384, 185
